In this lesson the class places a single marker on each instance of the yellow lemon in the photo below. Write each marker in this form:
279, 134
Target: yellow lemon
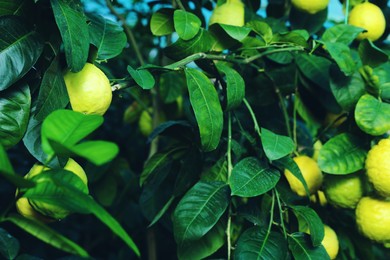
373, 219
89, 90
319, 198
369, 17
378, 167
330, 242
311, 173
232, 12
344, 191
25, 209
310, 6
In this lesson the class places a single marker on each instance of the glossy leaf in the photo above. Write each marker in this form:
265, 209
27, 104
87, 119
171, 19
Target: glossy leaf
236, 32
262, 29
9, 246
251, 177
162, 211
314, 68
342, 55
276, 146
342, 154
142, 77
72, 24
186, 24
217, 172
199, 210
254, 243
372, 115
301, 248
208, 112
161, 22
235, 89
20, 48
371, 55
341, 33
107, 36
14, 113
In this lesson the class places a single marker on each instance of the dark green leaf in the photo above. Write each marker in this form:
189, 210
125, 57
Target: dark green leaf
236, 32
14, 113
187, 25
73, 27
342, 55
162, 211
14, 7
254, 243
20, 48
304, 20
262, 29
341, 33
301, 248
343, 154
142, 77
276, 146
162, 22
251, 177
217, 172
314, 68
207, 109
9, 246
199, 210
371, 55
171, 86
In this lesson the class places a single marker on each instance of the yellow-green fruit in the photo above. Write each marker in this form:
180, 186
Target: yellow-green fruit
310, 172
132, 113
25, 209
369, 17
89, 90
330, 242
310, 6
145, 122
344, 191
232, 12
373, 219
378, 167
316, 149
319, 198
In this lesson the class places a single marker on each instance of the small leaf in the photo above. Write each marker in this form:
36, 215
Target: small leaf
142, 77
251, 177
343, 154
186, 24
276, 146
342, 55
199, 210
208, 112
162, 23
372, 115
341, 33
371, 55
301, 248
236, 32
9, 246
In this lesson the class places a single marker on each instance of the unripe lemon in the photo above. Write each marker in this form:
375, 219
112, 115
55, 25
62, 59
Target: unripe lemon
232, 12
369, 17
145, 123
310, 6
378, 167
26, 210
373, 219
89, 90
344, 191
310, 172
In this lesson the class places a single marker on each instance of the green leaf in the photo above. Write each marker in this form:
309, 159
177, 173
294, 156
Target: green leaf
342, 55
186, 24
341, 33
73, 27
314, 68
47, 235
208, 112
342, 154
262, 29
14, 113
107, 36
314, 222
236, 32
9, 246
235, 86
162, 211
14, 7
56, 189
162, 23
142, 77
52, 92
20, 48
171, 86
301, 248
372, 115
204, 247
217, 172
276, 146
199, 210
310, 22
251, 177
371, 55
255, 243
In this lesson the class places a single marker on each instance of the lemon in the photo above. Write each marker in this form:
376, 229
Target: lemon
310, 6
232, 12
378, 167
344, 191
373, 219
89, 90
319, 198
25, 209
369, 17
311, 173
330, 241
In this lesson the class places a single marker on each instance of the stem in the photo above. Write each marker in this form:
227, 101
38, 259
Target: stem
281, 213
346, 12
230, 168
284, 111
270, 221
180, 4
228, 238
256, 125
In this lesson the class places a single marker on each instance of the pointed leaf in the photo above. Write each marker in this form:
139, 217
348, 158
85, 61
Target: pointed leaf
142, 77
262, 29
314, 68
342, 55
208, 112
13, 7
186, 24
251, 177
343, 154
301, 248
199, 210
9, 246
276, 146
162, 22
236, 32
371, 55
7, 171
162, 211
341, 33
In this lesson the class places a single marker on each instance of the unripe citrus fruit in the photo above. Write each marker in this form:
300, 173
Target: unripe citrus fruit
145, 123
373, 219
310, 6
316, 149
369, 17
378, 167
26, 210
232, 12
344, 191
310, 172
89, 90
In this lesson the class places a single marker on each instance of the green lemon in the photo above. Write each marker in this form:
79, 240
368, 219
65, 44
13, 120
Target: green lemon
232, 12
